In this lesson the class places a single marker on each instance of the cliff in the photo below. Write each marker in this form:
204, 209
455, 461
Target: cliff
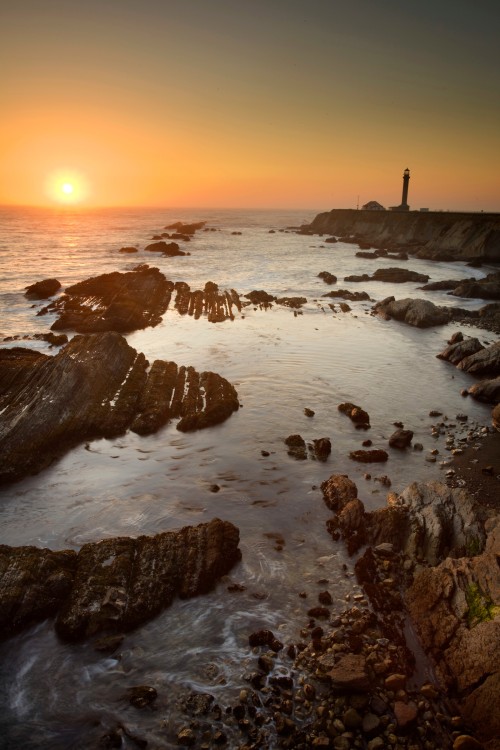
435, 235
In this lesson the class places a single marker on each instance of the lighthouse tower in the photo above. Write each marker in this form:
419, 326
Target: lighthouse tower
404, 200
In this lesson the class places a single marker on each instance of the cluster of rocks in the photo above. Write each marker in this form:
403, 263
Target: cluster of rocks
264, 300
485, 288
112, 586
96, 386
346, 294
424, 313
53, 339
215, 304
446, 576
319, 448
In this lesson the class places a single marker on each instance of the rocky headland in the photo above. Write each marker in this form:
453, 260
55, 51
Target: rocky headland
432, 235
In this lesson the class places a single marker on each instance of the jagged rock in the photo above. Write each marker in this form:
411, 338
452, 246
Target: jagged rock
122, 583
34, 584
170, 249
327, 277
377, 455
484, 362
487, 391
216, 305
401, 439
416, 312
97, 386
114, 301
43, 289
458, 350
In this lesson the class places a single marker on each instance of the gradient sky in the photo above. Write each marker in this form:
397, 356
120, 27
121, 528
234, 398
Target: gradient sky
251, 103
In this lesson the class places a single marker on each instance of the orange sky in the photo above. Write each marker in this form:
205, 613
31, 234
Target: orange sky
250, 104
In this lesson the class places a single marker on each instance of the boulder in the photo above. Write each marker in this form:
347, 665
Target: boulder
398, 275
444, 285
122, 583
338, 490
346, 294
416, 312
97, 386
401, 439
169, 249
322, 448
355, 413
376, 455
43, 289
327, 277
261, 298
187, 228
128, 249
350, 673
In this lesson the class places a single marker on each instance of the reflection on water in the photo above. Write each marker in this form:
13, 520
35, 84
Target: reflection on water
280, 364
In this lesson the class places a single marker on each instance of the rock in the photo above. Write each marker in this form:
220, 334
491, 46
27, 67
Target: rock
495, 417
398, 275
466, 742
122, 583
261, 298
296, 447
443, 285
42, 289
484, 362
327, 277
338, 490
350, 673
346, 294
142, 696
401, 439
416, 312
322, 448
395, 682
115, 301
460, 349
186, 737
487, 288
170, 249
308, 412
406, 713
487, 391
187, 228
216, 304
352, 719
35, 583
128, 249
97, 386
370, 724
369, 456
294, 302
355, 413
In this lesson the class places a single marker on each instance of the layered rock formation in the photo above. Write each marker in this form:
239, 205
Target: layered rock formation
434, 235
113, 585
97, 386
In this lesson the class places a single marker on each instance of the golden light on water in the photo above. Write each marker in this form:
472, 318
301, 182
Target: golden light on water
65, 187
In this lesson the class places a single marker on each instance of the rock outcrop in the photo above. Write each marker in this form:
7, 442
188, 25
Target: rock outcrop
97, 386
217, 305
434, 235
416, 312
42, 289
114, 585
169, 249
392, 275
115, 301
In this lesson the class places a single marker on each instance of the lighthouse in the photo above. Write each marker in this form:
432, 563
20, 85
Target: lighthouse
404, 200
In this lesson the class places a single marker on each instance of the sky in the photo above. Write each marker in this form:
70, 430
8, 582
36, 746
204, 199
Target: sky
250, 103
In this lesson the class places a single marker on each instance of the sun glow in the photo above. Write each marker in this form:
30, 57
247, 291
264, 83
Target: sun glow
66, 187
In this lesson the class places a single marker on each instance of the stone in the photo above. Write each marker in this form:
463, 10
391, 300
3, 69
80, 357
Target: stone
142, 696
322, 448
484, 362
487, 391
370, 724
460, 349
466, 742
43, 289
169, 249
186, 737
401, 439
398, 275
128, 249
346, 294
261, 298
405, 713
415, 312
369, 456
395, 682
355, 413
338, 490
327, 277
350, 673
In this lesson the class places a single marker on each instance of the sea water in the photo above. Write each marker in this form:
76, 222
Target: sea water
55, 695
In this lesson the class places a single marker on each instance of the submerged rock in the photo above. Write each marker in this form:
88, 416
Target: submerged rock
377, 455
97, 386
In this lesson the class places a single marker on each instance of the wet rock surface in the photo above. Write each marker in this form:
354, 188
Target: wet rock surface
42, 289
216, 304
392, 275
416, 312
97, 386
115, 585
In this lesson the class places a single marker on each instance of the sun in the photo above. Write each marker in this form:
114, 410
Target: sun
66, 187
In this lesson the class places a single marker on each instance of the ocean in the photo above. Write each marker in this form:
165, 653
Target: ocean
59, 696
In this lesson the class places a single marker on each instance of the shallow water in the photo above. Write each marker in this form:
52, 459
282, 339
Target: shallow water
60, 696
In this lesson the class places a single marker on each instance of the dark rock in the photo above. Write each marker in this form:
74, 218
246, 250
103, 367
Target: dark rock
122, 583
398, 275
142, 696
444, 285
401, 439
308, 412
371, 456
261, 298
170, 249
358, 278
331, 240
327, 277
456, 337
180, 236
294, 302
366, 254
42, 289
324, 597
322, 448
297, 447
416, 312
355, 413
97, 386
114, 301
187, 228
216, 304
405, 713
338, 490
460, 349
484, 362
350, 673
127, 249
346, 294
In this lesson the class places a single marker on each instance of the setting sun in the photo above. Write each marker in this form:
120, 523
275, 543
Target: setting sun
66, 187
